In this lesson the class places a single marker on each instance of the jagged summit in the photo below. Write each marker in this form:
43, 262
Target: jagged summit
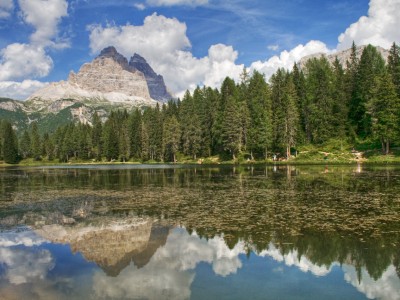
111, 52
155, 82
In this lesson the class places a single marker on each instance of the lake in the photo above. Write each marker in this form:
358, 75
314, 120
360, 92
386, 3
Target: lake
208, 232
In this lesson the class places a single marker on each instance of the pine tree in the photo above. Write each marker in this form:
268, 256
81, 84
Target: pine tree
384, 108
371, 65
291, 122
10, 145
25, 145
299, 81
171, 138
35, 142
394, 66
319, 88
340, 104
260, 115
135, 133
97, 132
231, 127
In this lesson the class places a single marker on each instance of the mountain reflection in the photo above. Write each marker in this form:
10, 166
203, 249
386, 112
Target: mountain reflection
113, 245
149, 230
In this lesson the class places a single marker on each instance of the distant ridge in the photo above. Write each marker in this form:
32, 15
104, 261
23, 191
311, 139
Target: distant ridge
342, 56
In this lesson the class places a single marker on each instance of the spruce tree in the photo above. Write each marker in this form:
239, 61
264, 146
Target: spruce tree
35, 142
97, 132
25, 145
260, 115
10, 145
394, 66
171, 138
384, 108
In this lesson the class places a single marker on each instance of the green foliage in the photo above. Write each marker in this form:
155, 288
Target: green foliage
9, 144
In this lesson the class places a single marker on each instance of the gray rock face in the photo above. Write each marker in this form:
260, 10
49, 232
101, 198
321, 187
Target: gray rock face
158, 90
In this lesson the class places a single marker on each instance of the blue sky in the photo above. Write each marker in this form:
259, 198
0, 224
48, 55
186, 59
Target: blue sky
190, 42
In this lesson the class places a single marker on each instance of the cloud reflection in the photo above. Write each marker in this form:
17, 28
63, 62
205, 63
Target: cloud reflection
170, 272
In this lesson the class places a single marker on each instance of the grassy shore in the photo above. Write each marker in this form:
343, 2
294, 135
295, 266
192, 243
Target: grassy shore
304, 156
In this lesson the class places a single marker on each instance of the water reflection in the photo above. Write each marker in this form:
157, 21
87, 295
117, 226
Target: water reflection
150, 233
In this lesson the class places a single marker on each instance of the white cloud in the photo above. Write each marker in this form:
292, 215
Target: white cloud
273, 47
19, 61
292, 259
22, 60
380, 27
20, 90
387, 287
286, 59
139, 6
6, 6
176, 2
44, 16
26, 266
26, 238
164, 44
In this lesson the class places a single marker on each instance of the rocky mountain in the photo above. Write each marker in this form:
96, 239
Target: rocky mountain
107, 83
108, 78
342, 56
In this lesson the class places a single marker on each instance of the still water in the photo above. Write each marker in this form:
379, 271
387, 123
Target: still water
173, 232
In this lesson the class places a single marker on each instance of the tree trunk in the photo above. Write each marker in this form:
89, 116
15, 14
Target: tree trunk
251, 155
387, 146
383, 146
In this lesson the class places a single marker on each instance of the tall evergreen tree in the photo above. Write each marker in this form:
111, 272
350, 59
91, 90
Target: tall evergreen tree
384, 108
231, 129
10, 144
291, 121
35, 142
394, 66
171, 138
371, 65
340, 104
135, 133
260, 113
97, 133
319, 85
25, 145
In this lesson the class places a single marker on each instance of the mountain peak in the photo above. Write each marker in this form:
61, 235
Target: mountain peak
111, 52
155, 82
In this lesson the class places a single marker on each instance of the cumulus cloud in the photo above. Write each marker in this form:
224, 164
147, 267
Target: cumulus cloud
21, 60
6, 6
286, 59
26, 238
164, 44
44, 16
380, 27
292, 259
385, 288
20, 90
26, 266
